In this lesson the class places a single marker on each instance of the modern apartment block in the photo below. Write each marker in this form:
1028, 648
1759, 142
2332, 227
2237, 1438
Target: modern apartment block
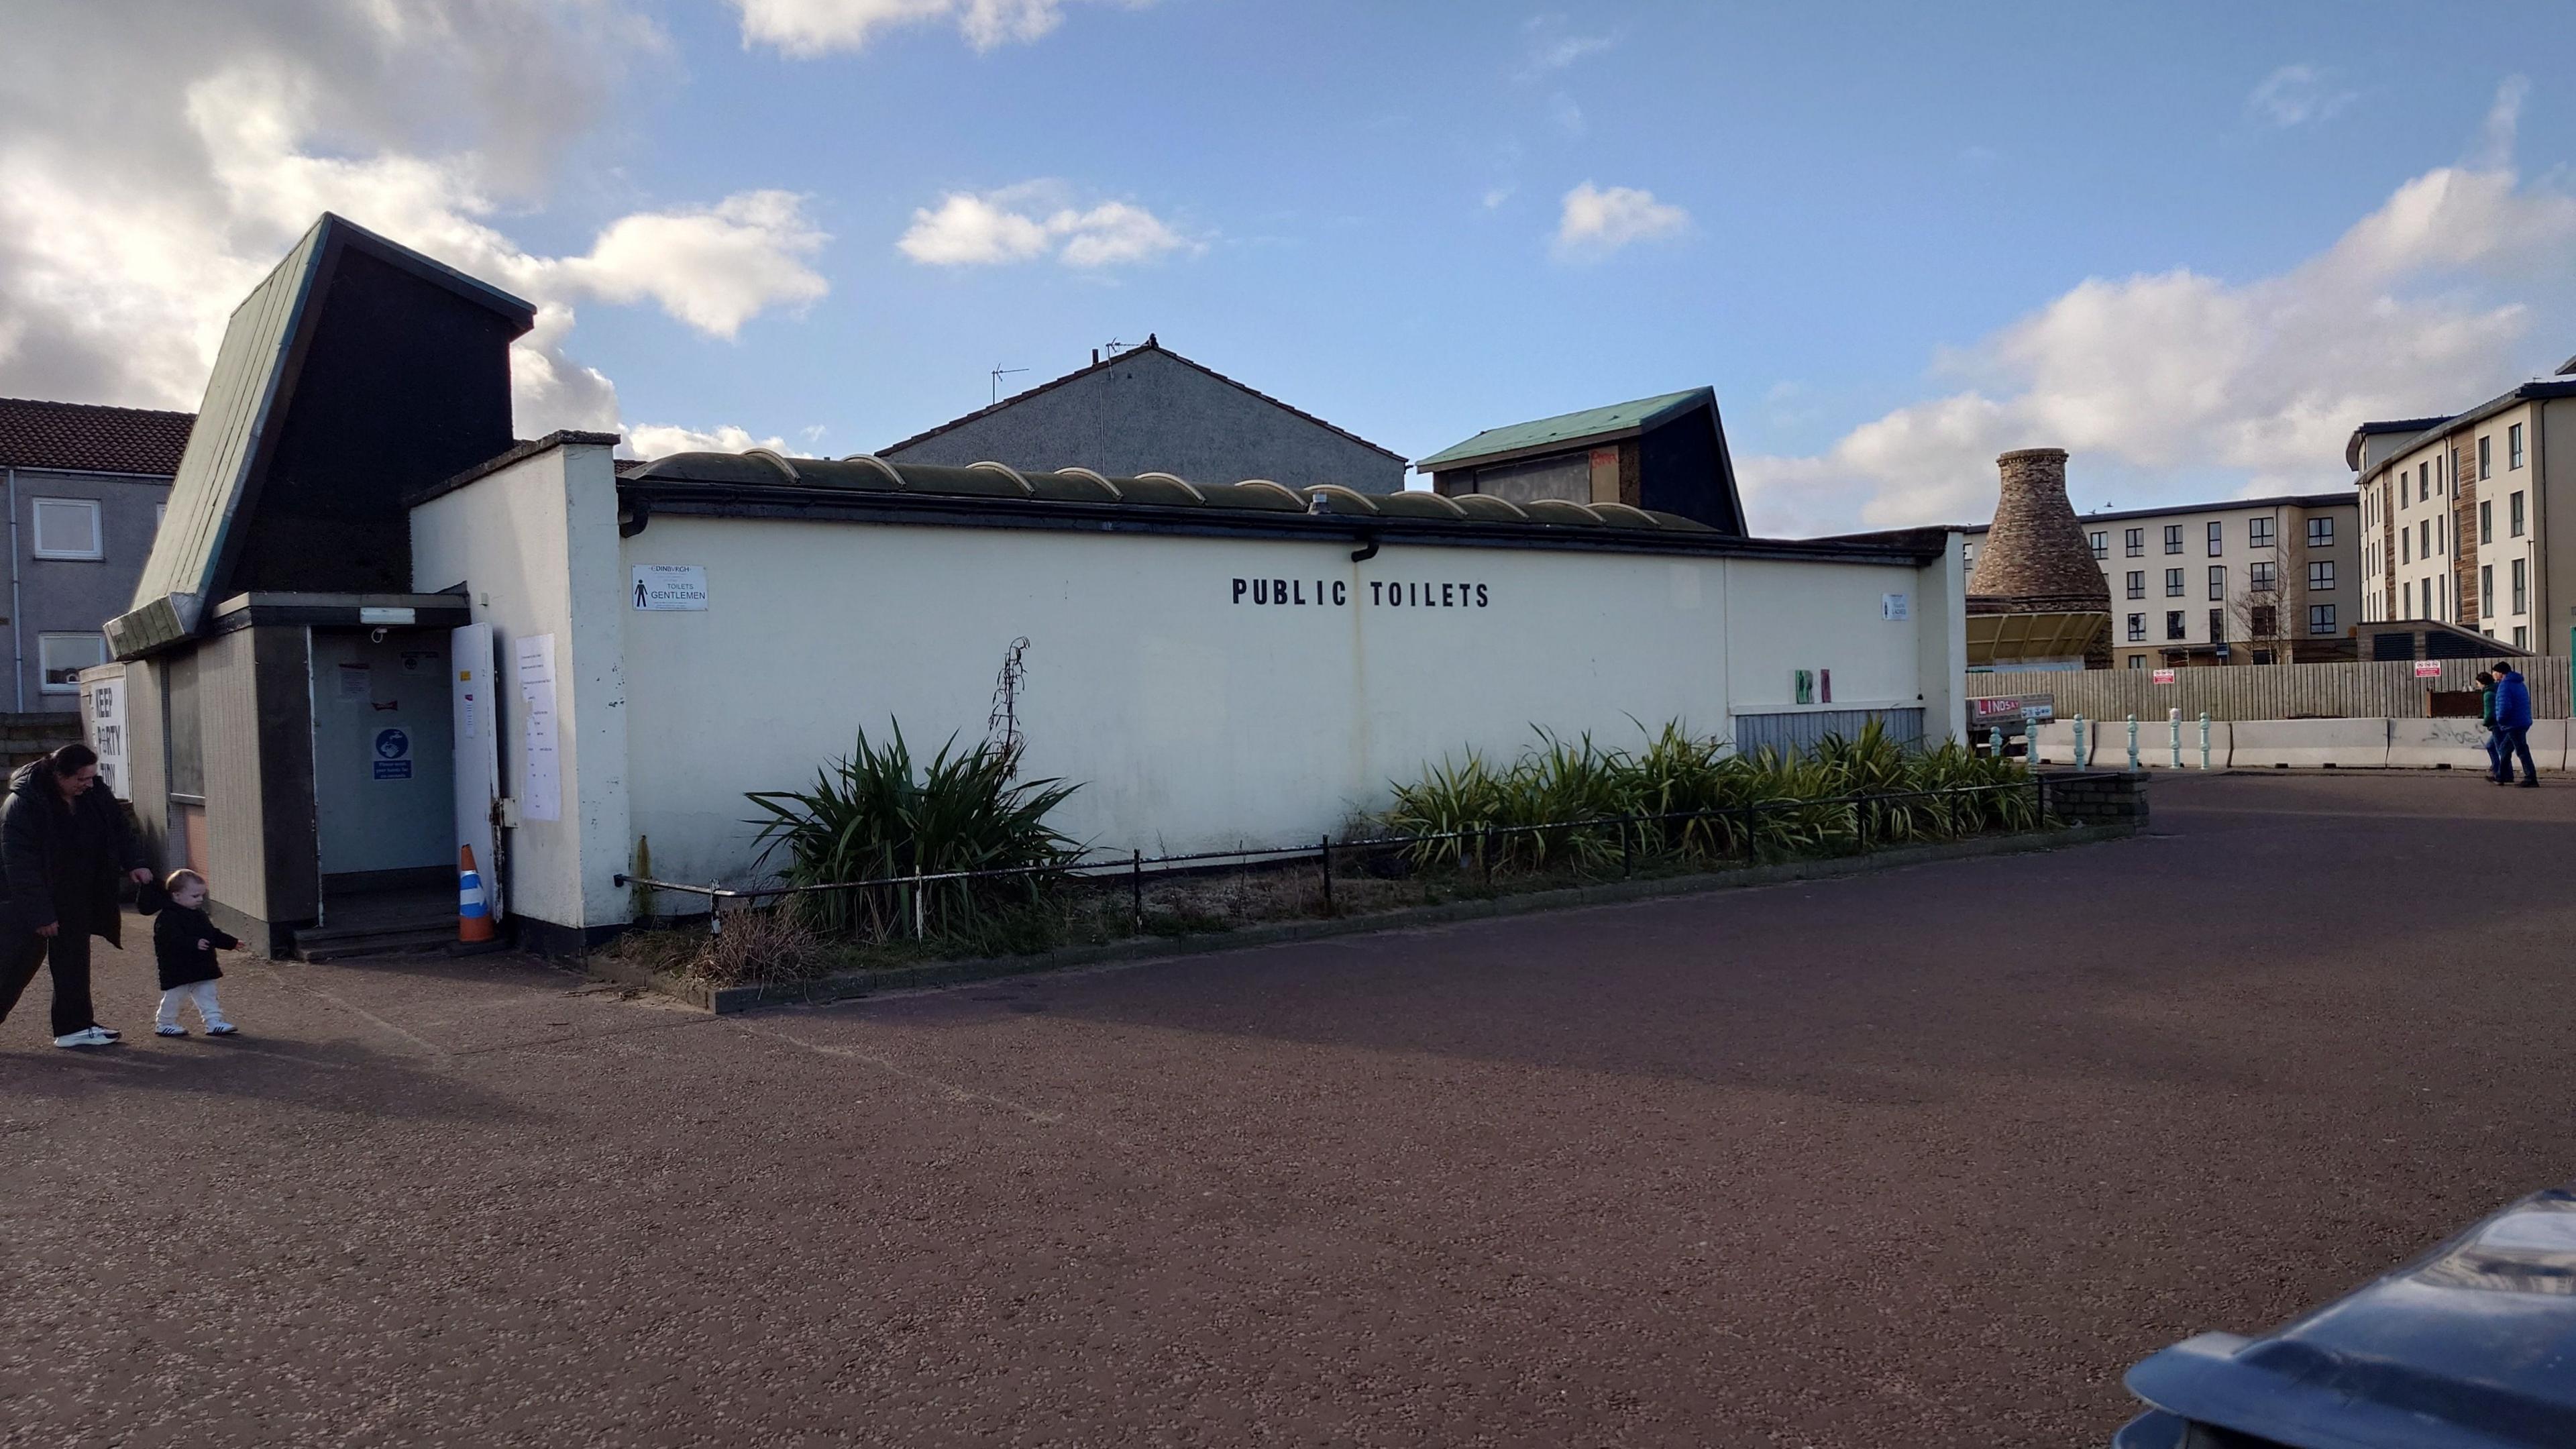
2250, 581
2455, 516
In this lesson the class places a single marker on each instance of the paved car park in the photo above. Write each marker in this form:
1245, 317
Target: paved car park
1927, 1156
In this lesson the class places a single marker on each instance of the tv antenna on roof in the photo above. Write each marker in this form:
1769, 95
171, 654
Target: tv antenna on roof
1000, 372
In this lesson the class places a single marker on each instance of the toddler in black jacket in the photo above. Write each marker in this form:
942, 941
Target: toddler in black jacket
185, 940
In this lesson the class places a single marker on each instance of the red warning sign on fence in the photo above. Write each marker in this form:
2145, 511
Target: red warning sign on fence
2164, 676
2428, 669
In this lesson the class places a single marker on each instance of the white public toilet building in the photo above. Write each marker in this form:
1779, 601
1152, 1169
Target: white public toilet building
627, 649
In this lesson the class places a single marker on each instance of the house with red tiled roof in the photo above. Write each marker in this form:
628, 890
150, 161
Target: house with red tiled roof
86, 486
1148, 409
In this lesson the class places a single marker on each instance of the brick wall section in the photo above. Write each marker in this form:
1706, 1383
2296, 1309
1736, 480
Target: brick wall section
2036, 553
2098, 797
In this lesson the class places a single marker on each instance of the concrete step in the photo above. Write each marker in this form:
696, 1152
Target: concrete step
415, 938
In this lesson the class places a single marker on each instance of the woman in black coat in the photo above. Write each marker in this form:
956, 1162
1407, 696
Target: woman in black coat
62, 845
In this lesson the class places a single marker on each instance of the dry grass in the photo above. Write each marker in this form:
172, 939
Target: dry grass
756, 948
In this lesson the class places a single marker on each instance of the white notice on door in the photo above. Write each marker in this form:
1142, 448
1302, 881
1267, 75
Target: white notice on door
1892, 606
541, 785
357, 684
670, 586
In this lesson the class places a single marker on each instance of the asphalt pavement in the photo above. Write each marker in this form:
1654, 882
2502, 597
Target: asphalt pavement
1921, 1157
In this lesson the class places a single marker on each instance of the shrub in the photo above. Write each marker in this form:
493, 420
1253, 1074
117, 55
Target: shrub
1678, 773
877, 813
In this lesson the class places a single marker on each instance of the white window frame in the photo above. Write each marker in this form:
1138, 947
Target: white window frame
36, 529
44, 666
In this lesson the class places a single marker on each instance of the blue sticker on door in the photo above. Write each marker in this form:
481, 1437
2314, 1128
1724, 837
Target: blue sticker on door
393, 755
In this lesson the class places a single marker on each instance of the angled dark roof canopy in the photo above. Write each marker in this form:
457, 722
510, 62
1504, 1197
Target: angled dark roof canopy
412, 379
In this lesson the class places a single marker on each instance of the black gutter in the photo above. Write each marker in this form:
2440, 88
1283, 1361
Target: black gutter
678, 497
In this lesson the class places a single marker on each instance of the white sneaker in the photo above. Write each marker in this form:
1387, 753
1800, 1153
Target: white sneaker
223, 1028
88, 1036
172, 1030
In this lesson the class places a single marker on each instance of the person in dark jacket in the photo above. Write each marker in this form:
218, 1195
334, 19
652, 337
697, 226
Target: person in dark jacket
62, 846
2486, 718
184, 942
2513, 725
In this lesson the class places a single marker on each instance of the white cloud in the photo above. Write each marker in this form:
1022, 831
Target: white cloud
818, 27
1565, 113
1551, 47
714, 268
1599, 221
661, 440
1025, 222
133, 219
2295, 95
2422, 305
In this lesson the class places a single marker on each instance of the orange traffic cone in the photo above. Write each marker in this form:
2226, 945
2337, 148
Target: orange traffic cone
473, 916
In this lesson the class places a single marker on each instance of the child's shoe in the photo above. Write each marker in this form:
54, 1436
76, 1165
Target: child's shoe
173, 1030
223, 1028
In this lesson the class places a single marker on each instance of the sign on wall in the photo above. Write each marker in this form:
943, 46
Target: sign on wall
392, 755
670, 586
103, 717
1895, 608
541, 781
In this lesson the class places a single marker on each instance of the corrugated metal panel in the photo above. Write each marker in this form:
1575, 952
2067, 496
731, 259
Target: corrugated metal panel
2364, 690
1799, 732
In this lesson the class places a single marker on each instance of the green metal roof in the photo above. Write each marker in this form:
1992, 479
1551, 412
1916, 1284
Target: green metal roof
1568, 428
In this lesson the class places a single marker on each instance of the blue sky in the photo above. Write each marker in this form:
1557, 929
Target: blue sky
1895, 238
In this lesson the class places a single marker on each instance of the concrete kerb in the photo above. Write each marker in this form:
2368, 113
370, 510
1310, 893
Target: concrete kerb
850, 985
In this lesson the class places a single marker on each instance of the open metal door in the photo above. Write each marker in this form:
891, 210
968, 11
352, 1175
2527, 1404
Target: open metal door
476, 701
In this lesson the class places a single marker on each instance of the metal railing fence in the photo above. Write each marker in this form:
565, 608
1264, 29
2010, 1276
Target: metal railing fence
1863, 809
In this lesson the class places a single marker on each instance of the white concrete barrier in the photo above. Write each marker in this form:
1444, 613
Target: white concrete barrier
2053, 743
2346, 744
2551, 743
2431, 744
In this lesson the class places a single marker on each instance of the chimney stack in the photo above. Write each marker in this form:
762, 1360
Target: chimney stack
2035, 552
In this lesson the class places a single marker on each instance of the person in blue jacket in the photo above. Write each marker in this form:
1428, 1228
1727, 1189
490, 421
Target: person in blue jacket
2513, 725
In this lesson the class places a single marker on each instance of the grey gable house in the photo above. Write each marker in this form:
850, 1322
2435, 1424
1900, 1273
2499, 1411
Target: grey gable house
85, 486
1150, 410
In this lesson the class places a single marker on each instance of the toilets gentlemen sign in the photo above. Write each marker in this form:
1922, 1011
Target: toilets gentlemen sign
670, 586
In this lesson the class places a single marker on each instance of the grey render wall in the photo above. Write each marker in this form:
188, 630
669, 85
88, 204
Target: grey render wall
1148, 412
76, 596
